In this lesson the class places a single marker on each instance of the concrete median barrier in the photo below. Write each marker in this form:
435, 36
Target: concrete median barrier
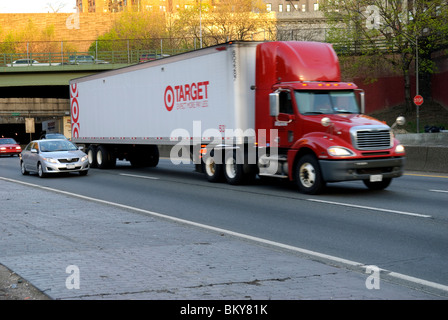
426, 151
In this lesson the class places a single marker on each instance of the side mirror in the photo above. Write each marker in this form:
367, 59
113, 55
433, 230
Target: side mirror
33, 150
400, 120
274, 104
362, 102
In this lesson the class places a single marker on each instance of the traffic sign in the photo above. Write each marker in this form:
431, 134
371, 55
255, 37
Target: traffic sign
418, 100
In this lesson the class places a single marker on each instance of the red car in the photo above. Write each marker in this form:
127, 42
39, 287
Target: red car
8, 146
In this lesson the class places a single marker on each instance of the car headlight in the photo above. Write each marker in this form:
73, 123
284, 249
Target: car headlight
340, 152
399, 149
51, 160
84, 158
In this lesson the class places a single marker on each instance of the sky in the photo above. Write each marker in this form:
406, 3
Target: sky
36, 6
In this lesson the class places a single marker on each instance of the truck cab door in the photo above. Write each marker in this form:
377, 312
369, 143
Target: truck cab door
285, 121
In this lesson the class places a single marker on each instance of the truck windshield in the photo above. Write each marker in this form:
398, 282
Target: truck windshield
326, 102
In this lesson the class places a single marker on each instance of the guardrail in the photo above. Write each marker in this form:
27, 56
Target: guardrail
122, 51
75, 58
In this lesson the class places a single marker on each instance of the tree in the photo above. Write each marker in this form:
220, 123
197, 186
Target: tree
224, 21
391, 31
140, 28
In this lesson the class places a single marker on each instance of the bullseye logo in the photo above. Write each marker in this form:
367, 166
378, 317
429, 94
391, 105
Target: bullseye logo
186, 96
169, 98
74, 110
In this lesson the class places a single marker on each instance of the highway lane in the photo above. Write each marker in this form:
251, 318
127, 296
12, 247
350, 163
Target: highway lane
402, 229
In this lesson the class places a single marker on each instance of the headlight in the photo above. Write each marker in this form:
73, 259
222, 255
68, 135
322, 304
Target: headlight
340, 152
51, 160
399, 149
84, 158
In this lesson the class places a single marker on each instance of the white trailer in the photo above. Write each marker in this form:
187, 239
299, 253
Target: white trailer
196, 95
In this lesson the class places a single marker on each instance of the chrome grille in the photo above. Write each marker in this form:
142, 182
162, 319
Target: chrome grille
69, 160
372, 138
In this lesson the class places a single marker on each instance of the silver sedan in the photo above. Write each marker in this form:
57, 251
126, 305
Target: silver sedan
53, 156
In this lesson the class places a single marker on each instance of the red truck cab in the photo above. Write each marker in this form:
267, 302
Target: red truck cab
323, 135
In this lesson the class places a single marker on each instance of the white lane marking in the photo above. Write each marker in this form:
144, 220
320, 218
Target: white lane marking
372, 208
439, 190
138, 176
315, 254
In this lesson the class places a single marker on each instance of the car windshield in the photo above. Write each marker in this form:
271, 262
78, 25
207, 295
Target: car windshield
57, 145
54, 136
7, 141
326, 102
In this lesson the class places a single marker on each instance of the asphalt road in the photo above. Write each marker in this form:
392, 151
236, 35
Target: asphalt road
403, 229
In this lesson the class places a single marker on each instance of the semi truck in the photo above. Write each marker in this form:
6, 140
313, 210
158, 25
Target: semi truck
239, 111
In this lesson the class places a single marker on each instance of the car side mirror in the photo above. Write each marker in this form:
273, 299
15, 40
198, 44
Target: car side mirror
34, 151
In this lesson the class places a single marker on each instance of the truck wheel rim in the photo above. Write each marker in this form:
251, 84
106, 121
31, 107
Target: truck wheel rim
307, 175
99, 158
90, 156
230, 168
210, 167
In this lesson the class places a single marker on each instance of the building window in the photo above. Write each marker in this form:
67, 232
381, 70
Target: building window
316, 7
288, 8
280, 8
303, 7
268, 7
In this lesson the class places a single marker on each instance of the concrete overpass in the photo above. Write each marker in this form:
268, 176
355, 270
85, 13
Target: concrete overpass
38, 92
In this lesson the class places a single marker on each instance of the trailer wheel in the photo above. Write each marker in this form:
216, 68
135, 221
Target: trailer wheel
104, 158
152, 156
234, 170
378, 185
309, 176
91, 154
212, 170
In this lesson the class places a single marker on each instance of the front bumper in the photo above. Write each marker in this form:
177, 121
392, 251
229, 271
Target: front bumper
69, 167
361, 169
9, 152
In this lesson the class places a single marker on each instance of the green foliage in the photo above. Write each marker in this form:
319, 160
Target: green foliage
389, 31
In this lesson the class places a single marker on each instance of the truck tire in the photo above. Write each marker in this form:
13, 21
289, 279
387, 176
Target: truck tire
308, 175
213, 170
234, 170
152, 156
104, 158
378, 185
91, 155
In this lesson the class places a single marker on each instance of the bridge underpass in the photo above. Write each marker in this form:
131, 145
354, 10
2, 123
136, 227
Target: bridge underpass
40, 93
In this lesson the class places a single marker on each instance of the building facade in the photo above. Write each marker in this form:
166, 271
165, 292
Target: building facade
280, 6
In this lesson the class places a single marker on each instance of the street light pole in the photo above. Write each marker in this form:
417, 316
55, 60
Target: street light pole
416, 80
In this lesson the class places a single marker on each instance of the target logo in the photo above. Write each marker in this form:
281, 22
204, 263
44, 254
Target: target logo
169, 98
187, 96
74, 110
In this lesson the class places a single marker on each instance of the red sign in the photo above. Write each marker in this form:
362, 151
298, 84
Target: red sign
418, 100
